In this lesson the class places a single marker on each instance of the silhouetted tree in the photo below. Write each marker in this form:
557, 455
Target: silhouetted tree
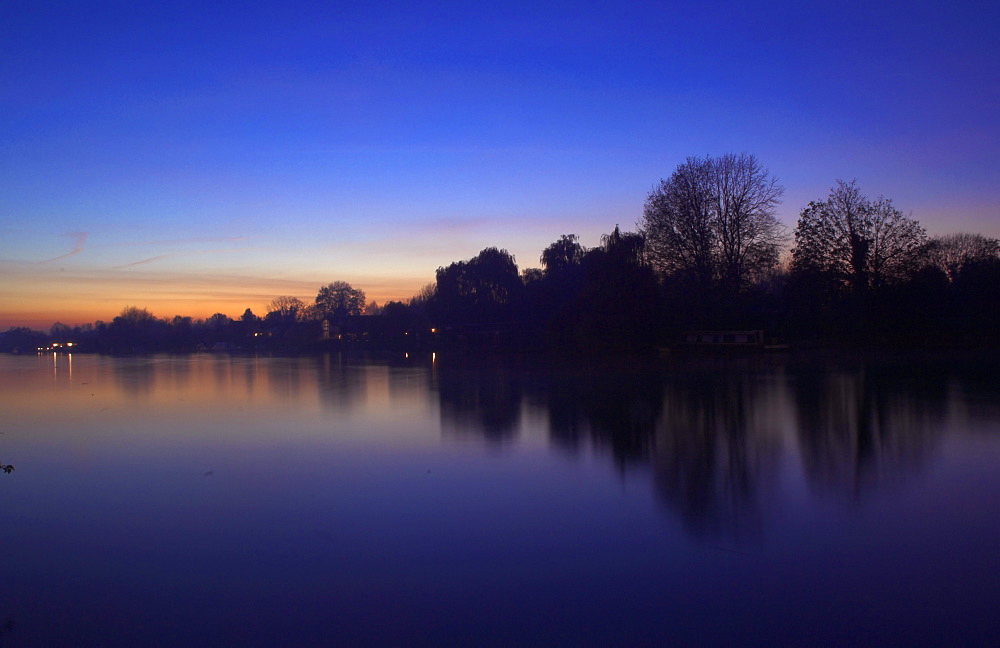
286, 308
531, 276
180, 334
134, 330
218, 321
977, 294
426, 294
713, 222
21, 339
856, 242
133, 316
339, 299
59, 332
563, 255
616, 307
480, 290
626, 248
952, 252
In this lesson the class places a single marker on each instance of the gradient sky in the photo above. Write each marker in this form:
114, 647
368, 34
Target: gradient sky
197, 158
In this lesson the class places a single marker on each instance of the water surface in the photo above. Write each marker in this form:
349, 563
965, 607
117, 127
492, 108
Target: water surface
452, 500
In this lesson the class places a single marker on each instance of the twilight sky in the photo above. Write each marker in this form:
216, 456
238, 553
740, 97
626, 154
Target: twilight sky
196, 158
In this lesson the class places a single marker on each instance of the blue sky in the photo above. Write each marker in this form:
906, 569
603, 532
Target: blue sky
194, 158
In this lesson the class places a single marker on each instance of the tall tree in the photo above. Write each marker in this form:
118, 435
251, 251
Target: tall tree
616, 306
679, 225
340, 299
745, 197
713, 222
628, 248
563, 254
856, 242
478, 290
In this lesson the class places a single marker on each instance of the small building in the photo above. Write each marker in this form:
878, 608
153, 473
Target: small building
723, 339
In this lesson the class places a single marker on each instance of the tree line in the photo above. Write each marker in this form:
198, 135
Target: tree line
706, 254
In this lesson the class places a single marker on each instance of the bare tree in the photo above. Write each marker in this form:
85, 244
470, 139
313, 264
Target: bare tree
713, 221
133, 315
745, 197
287, 307
953, 252
426, 294
857, 242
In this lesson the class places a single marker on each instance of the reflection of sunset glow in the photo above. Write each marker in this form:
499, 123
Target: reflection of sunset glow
337, 475
193, 394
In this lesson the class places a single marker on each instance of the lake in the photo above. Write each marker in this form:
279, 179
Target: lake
210, 500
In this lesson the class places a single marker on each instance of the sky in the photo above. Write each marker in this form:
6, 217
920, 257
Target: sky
194, 158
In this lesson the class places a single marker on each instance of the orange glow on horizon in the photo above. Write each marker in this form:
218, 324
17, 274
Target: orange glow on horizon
38, 307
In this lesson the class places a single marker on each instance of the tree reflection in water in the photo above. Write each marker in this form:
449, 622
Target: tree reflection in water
341, 380
860, 425
715, 432
717, 446
612, 406
480, 396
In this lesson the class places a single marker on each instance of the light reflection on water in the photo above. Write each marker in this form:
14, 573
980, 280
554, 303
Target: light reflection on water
215, 499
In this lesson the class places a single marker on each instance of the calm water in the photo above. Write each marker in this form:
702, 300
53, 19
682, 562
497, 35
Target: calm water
218, 500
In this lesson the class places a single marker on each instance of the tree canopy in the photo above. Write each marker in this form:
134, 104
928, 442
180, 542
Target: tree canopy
479, 289
340, 299
563, 254
286, 307
855, 242
713, 223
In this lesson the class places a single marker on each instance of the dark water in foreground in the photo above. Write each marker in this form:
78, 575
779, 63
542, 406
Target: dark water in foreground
217, 500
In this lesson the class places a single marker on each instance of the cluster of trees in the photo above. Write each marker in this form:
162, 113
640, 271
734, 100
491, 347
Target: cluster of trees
707, 254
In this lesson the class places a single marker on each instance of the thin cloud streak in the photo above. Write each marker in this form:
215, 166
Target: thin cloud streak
174, 255
188, 241
144, 261
79, 238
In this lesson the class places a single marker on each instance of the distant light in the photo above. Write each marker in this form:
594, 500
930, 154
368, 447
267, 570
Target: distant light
434, 330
